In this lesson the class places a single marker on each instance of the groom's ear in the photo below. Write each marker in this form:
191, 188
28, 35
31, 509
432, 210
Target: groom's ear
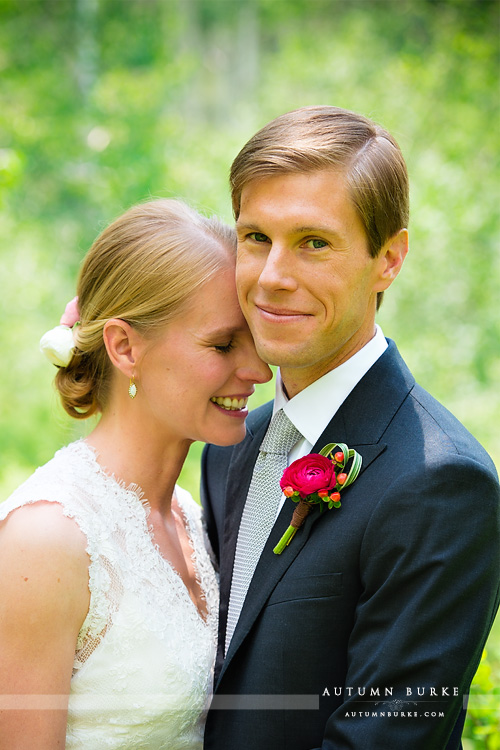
122, 344
391, 259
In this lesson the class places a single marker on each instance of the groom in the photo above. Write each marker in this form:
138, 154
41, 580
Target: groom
366, 631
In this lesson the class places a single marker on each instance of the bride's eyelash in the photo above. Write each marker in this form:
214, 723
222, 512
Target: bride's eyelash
224, 348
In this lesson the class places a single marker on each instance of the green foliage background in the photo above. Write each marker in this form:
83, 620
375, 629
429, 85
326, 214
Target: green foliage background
104, 103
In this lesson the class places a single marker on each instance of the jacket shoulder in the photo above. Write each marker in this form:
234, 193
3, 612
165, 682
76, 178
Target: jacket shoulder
445, 432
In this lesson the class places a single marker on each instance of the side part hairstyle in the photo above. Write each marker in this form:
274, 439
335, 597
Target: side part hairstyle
143, 269
324, 137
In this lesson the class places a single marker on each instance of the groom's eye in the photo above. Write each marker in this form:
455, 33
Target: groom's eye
259, 237
316, 244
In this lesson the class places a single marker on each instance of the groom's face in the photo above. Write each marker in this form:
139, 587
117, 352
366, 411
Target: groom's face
306, 281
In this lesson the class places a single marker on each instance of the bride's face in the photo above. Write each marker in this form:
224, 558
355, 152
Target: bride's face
194, 380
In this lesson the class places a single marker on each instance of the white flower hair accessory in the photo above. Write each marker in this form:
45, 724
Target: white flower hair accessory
58, 344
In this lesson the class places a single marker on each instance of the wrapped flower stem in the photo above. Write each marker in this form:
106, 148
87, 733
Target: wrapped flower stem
299, 516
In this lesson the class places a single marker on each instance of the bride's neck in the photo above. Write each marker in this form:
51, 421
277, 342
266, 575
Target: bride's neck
136, 455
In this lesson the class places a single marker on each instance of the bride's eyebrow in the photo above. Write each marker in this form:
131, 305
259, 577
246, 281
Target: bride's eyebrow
222, 332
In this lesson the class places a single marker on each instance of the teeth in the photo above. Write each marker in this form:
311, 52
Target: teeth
231, 404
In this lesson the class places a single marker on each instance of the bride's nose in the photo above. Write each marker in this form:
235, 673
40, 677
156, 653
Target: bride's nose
251, 368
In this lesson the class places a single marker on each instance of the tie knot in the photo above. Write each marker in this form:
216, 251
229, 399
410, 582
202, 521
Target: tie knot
281, 435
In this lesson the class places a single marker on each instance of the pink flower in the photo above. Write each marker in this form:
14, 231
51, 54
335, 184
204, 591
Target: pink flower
71, 314
309, 474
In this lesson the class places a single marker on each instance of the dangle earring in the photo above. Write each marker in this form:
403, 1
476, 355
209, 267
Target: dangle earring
132, 388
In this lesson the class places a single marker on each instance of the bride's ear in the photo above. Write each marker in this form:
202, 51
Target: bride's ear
122, 344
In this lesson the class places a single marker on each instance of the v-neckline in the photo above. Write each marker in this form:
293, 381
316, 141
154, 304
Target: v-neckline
135, 492
190, 537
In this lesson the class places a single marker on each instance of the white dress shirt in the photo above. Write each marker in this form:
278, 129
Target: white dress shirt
313, 408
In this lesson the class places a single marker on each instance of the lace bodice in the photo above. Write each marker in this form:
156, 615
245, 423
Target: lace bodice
144, 657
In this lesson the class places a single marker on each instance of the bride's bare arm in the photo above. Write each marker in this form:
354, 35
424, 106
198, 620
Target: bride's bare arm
44, 599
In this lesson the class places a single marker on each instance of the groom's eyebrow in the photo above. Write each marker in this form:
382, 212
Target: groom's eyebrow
323, 228
252, 227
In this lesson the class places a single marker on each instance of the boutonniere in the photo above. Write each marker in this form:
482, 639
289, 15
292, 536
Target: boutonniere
317, 479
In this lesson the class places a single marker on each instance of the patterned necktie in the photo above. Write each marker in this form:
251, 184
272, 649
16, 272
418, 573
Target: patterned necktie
260, 509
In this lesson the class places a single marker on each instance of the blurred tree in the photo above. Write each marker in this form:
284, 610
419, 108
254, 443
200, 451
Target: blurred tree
104, 103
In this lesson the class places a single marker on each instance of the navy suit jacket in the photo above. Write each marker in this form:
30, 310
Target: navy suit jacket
366, 631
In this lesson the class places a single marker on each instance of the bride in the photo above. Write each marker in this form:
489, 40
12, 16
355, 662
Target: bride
109, 600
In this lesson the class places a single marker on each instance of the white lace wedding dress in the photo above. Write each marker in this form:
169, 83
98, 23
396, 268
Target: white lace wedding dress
144, 657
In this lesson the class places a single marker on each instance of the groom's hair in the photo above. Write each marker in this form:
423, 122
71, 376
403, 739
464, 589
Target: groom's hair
324, 137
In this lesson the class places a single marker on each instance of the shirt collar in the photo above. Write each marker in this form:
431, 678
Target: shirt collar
313, 408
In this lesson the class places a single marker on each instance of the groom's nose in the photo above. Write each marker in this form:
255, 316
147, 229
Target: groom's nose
277, 271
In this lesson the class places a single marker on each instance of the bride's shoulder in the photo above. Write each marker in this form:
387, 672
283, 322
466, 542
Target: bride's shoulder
39, 546
41, 525
38, 531
44, 573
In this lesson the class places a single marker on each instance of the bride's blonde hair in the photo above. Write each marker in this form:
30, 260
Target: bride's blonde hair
141, 269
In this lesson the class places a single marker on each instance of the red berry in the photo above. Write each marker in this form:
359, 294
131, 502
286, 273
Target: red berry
339, 457
322, 493
341, 478
288, 491
335, 497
